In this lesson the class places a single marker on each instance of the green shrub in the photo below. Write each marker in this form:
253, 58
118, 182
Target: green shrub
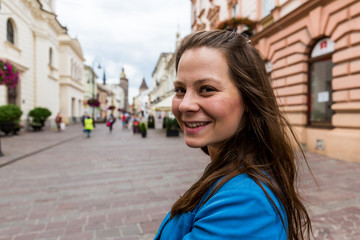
39, 114
143, 127
10, 113
151, 121
172, 124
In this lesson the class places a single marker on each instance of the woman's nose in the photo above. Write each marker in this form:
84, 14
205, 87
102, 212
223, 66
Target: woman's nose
189, 103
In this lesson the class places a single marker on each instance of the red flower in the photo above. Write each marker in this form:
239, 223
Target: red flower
9, 75
93, 102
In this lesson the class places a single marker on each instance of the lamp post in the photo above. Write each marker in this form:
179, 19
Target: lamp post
1, 154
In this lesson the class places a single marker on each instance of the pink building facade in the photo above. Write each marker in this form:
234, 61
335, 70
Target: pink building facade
312, 52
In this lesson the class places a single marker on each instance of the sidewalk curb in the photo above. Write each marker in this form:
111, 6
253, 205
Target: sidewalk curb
37, 151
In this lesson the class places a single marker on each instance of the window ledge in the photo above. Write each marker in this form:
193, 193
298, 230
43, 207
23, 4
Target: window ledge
9, 44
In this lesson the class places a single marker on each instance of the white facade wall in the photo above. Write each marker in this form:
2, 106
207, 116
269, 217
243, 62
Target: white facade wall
71, 79
160, 75
119, 95
35, 32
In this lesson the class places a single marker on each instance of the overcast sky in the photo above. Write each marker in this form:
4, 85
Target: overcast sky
125, 33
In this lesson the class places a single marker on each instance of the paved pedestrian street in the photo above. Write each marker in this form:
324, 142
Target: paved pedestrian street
117, 186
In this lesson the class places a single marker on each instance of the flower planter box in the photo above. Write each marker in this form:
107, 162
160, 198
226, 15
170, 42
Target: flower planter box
37, 127
7, 127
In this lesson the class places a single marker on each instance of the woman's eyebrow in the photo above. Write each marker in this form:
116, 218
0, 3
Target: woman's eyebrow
199, 81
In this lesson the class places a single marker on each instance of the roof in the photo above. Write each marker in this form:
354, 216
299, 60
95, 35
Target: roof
143, 84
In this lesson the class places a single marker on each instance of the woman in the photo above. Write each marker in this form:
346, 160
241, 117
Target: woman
58, 121
111, 122
226, 106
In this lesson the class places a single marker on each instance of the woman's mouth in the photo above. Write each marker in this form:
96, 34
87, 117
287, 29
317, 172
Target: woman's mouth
195, 127
195, 124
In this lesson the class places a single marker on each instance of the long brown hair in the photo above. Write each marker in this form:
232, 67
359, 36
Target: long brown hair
263, 148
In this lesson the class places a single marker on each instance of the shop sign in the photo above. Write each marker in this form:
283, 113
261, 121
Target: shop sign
322, 47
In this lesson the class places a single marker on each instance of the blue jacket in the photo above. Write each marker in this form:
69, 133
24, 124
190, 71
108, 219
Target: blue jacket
238, 210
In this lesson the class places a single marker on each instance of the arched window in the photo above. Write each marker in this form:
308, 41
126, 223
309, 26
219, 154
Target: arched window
50, 56
10, 31
320, 90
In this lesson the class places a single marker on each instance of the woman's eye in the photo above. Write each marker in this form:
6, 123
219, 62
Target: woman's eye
206, 89
179, 90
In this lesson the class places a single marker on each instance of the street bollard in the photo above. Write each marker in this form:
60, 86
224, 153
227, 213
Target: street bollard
1, 154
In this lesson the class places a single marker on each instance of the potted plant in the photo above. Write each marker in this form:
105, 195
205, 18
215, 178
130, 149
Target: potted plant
39, 116
143, 129
10, 118
172, 127
151, 122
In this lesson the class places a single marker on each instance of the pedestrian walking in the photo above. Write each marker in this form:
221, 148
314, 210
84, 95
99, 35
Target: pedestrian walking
83, 117
88, 125
58, 121
226, 106
123, 119
111, 122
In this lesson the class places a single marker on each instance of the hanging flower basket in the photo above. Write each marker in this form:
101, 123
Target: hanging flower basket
93, 102
232, 23
9, 75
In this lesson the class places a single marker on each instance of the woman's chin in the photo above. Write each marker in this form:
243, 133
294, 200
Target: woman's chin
193, 144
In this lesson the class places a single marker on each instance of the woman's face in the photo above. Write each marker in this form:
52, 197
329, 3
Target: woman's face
207, 104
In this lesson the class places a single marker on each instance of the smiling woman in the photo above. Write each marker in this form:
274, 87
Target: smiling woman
226, 106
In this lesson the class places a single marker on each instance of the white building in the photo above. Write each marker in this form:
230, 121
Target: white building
32, 40
71, 79
163, 80
90, 90
141, 103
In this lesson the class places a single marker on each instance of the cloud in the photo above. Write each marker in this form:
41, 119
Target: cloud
127, 33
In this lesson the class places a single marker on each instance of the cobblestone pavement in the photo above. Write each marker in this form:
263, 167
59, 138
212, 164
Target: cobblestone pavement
112, 186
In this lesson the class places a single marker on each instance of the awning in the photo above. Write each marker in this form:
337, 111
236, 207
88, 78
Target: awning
165, 104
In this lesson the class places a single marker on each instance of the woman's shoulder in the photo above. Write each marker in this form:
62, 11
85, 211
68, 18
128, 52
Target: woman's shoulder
241, 181
242, 188
241, 209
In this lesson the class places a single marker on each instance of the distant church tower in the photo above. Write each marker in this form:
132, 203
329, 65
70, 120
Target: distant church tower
143, 86
124, 84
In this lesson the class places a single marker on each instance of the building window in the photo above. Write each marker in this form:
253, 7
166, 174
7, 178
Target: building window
235, 10
267, 6
10, 32
320, 90
71, 68
50, 56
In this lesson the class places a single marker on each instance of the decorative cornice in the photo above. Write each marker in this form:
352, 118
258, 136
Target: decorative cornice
288, 19
73, 43
37, 10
